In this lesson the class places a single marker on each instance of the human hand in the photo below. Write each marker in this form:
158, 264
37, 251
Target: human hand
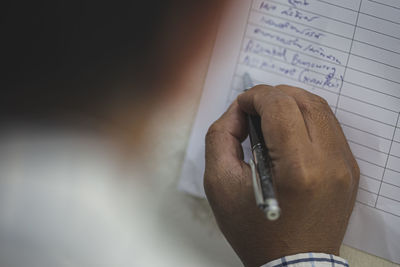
314, 172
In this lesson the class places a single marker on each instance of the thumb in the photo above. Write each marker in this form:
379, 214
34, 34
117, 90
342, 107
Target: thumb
226, 174
224, 137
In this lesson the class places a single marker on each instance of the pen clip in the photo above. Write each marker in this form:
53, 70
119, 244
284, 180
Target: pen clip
256, 185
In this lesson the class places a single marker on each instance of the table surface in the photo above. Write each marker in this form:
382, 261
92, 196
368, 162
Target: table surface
190, 215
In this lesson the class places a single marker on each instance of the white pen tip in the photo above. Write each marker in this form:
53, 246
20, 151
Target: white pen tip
247, 81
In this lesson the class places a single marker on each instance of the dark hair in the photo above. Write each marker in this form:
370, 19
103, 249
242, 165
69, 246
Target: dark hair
65, 54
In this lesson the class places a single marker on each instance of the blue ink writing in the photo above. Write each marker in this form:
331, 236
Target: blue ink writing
257, 48
296, 3
268, 66
290, 12
287, 25
326, 82
298, 61
267, 6
294, 42
319, 51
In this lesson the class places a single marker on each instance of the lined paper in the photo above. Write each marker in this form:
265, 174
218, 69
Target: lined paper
348, 52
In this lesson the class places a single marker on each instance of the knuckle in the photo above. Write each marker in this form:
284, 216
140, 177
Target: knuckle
304, 177
320, 104
259, 101
314, 102
356, 171
317, 109
282, 101
213, 130
260, 87
266, 97
308, 177
343, 175
283, 86
320, 100
285, 99
293, 91
281, 107
259, 92
278, 110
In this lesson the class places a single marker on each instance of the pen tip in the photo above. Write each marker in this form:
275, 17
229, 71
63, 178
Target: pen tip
247, 82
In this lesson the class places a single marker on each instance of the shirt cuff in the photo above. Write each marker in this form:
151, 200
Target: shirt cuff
309, 260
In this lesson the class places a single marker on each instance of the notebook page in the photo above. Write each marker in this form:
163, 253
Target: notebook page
348, 52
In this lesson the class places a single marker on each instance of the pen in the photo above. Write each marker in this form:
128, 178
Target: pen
261, 165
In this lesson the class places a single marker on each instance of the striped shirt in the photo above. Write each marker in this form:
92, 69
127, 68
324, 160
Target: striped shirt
309, 260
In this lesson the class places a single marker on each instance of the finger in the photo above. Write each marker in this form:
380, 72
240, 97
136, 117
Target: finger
282, 122
226, 174
319, 119
224, 137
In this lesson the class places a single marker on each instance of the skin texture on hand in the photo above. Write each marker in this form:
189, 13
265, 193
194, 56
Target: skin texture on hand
314, 172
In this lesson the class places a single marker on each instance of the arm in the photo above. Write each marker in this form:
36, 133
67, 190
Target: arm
315, 174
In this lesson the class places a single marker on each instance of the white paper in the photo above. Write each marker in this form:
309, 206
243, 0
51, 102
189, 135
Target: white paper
345, 51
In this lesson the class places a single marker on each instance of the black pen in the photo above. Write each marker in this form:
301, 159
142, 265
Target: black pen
261, 165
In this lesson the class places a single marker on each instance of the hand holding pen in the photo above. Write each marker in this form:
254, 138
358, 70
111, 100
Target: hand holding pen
314, 172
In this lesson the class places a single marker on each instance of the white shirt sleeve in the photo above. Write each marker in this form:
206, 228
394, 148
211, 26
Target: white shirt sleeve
308, 260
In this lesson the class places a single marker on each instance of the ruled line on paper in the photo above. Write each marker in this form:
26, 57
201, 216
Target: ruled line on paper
391, 6
283, 43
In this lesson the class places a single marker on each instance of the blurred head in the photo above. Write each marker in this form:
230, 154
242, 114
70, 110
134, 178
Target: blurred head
88, 58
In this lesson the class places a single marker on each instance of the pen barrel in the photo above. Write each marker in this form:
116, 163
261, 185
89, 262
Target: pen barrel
263, 166
260, 156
